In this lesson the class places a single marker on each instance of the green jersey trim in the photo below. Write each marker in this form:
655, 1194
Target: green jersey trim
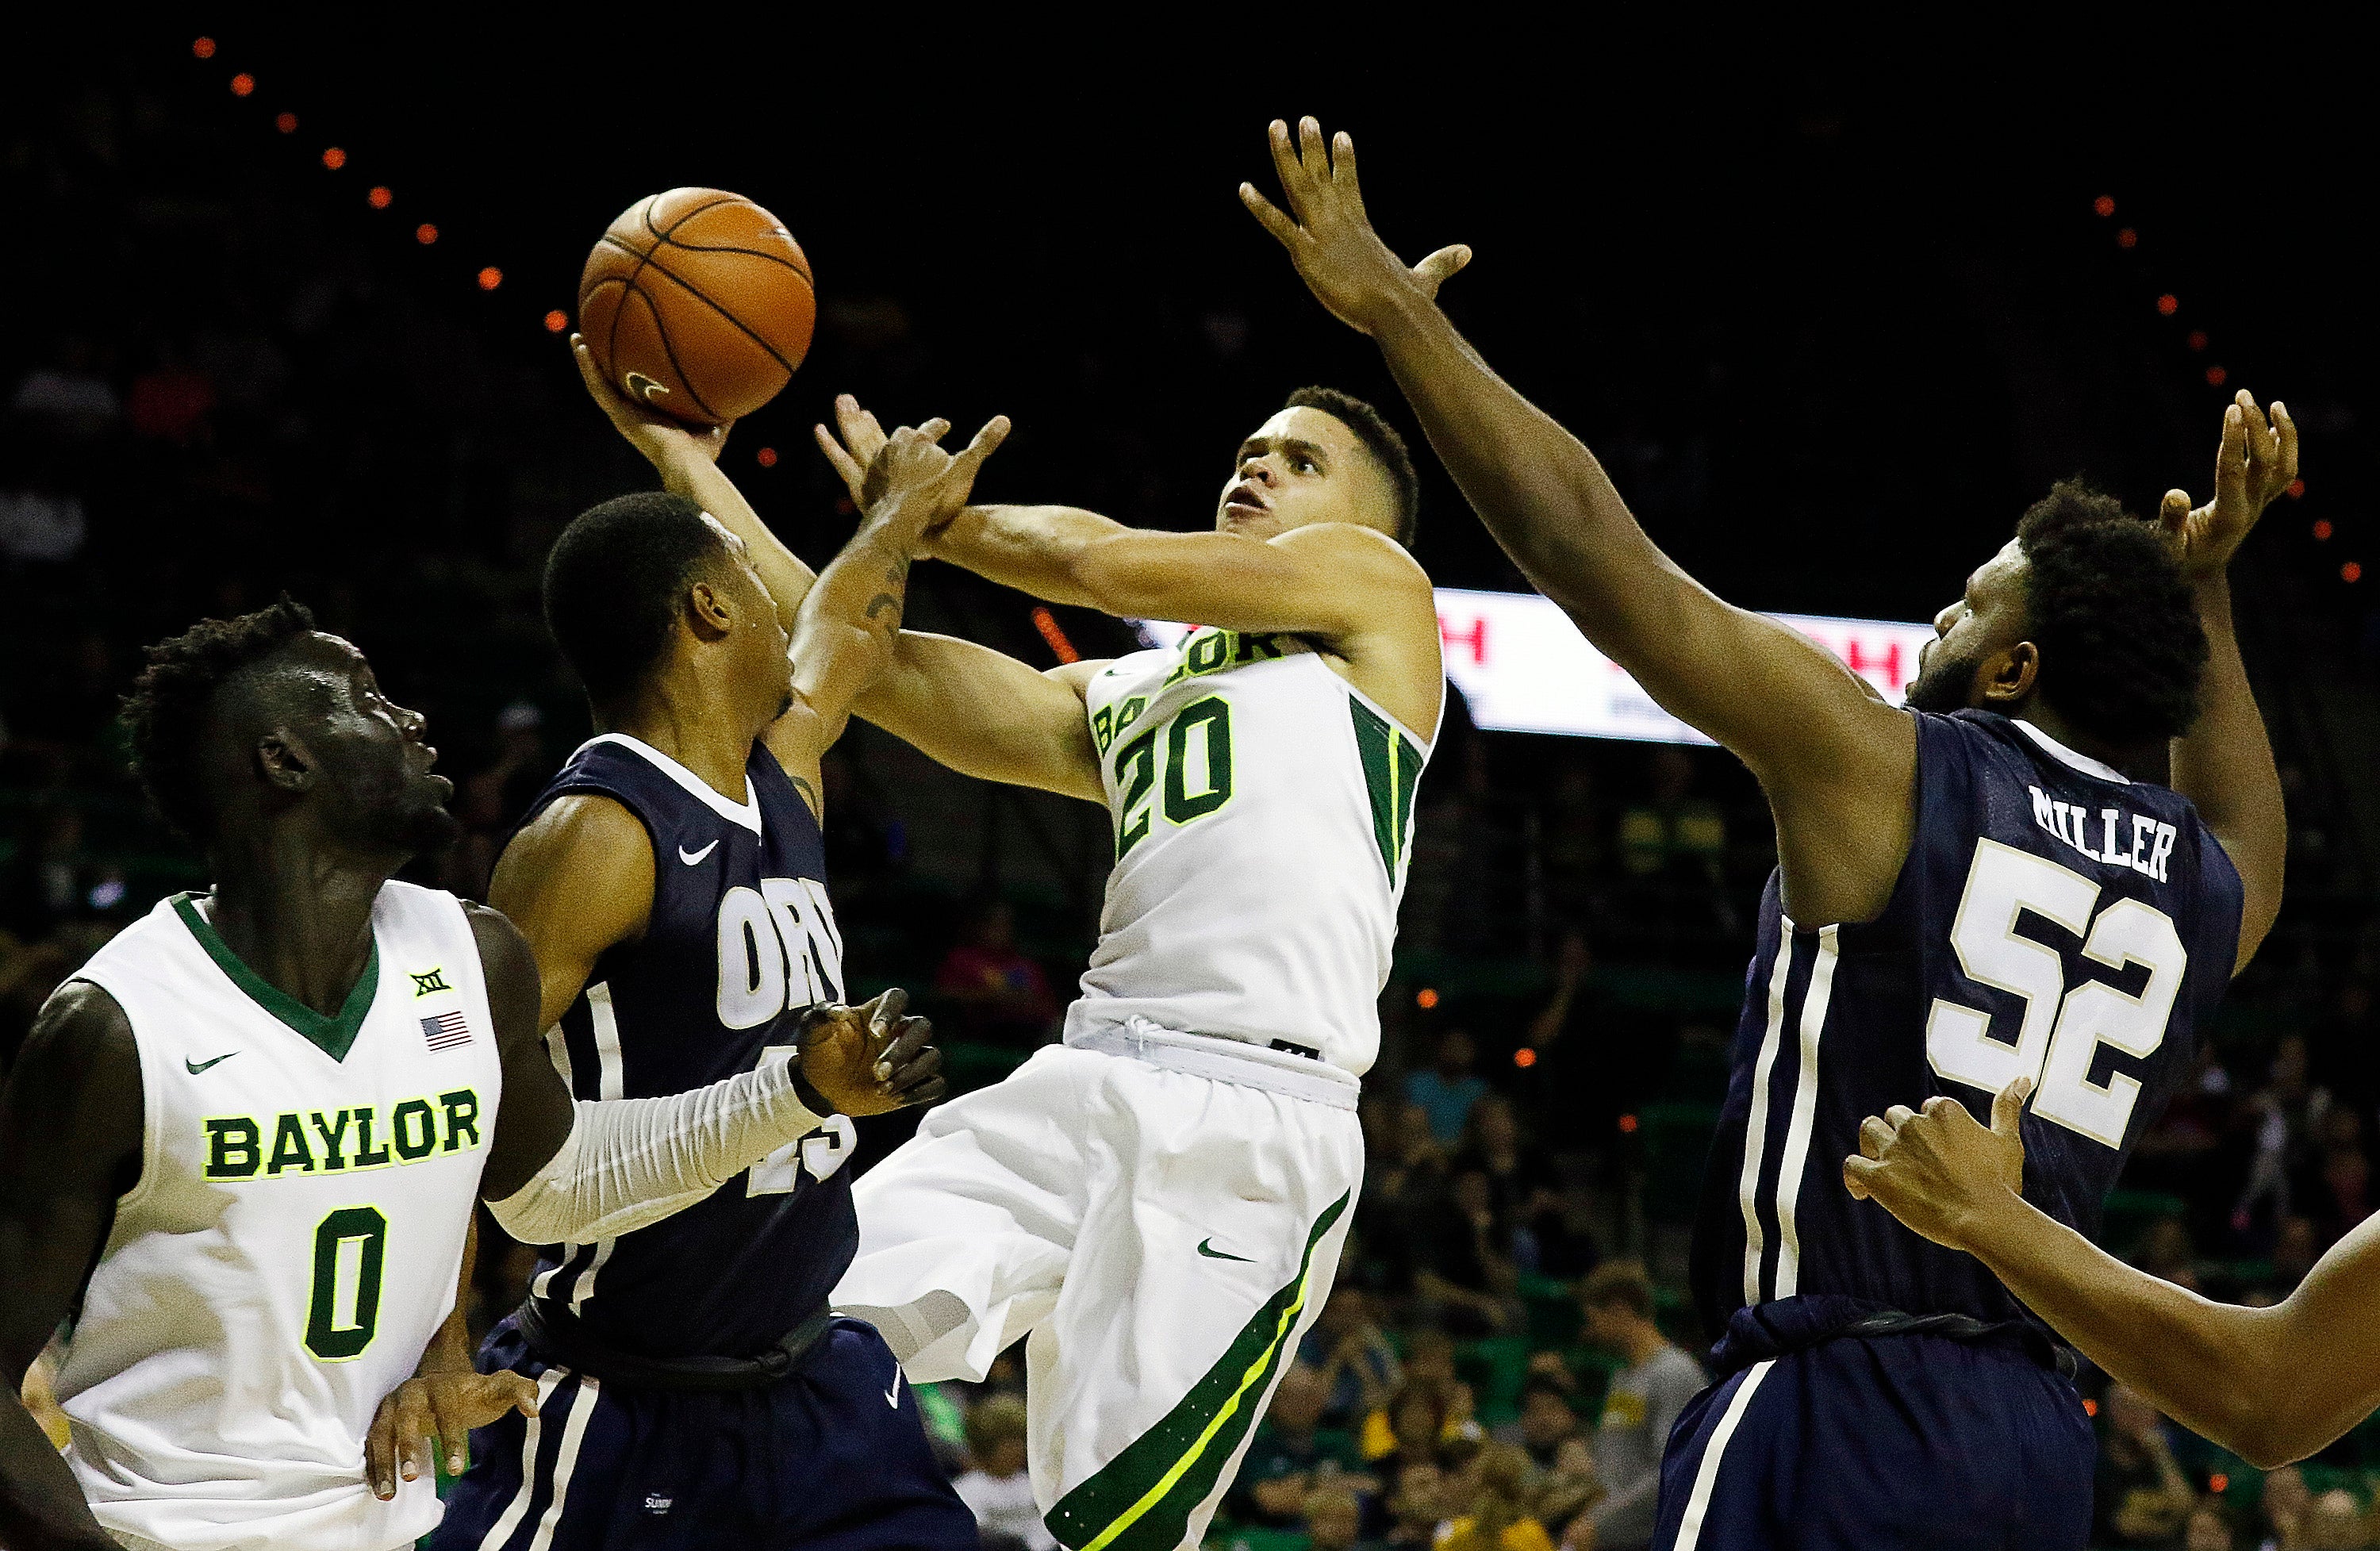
1392, 770
1141, 1500
335, 1037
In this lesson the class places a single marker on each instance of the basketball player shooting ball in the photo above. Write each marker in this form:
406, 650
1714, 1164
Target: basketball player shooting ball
1159, 1202
243, 1145
1969, 890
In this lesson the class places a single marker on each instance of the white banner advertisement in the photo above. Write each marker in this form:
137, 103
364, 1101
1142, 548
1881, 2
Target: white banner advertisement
1522, 666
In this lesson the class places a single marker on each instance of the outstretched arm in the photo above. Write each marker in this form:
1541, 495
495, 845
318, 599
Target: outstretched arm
844, 633
1836, 760
70, 1145
2223, 764
2271, 1385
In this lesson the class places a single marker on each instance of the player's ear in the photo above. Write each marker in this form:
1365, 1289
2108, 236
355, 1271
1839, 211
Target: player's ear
708, 613
281, 759
2007, 677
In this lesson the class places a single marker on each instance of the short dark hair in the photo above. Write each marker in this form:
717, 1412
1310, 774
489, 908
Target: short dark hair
2121, 646
166, 713
612, 584
1618, 1284
1381, 440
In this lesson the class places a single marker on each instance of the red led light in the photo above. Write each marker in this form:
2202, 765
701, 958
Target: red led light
333, 158
2090, 1407
242, 84
766, 457
2352, 571
2297, 490
490, 277
2215, 376
2322, 530
286, 122
1524, 1058
556, 321
2197, 340
1045, 621
204, 48
2168, 304
380, 198
2218, 1481
425, 234
1426, 999
2128, 238
1628, 1124
2104, 205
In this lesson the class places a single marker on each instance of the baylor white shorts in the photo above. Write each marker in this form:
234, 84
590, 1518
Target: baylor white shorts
1163, 1233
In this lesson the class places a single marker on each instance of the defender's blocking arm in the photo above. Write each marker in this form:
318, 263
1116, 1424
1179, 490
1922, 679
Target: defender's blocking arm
2223, 764
1835, 759
2271, 1385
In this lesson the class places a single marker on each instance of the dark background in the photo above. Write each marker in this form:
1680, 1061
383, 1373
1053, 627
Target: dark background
1832, 317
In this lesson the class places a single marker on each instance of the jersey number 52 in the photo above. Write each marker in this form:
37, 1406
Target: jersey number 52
2058, 1041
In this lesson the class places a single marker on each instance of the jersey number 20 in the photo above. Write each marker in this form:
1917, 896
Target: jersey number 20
2059, 1038
1198, 778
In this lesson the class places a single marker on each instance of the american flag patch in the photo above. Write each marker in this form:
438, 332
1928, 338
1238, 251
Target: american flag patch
446, 1031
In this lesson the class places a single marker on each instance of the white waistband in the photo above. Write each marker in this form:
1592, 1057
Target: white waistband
1222, 1060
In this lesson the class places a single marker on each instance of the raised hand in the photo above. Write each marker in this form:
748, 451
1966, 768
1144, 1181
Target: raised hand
2257, 462
440, 1406
861, 439
1937, 1171
1331, 240
657, 436
909, 467
871, 1059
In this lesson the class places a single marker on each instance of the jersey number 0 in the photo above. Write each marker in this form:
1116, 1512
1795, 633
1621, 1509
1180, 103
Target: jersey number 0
2058, 1041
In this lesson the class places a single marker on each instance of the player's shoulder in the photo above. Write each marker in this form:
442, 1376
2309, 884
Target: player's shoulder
580, 839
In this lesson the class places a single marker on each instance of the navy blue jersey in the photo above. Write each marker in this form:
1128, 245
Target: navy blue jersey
740, 932
2052, 920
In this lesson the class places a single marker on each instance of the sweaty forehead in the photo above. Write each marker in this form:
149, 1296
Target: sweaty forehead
2001, 578
1308, 424
314, 673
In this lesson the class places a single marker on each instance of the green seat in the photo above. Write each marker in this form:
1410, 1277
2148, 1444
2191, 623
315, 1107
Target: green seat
1495, 1367
1552, 1308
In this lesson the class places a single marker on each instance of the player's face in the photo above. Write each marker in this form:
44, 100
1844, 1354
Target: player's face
369, 756
1304, 466
1988, 619
760, 640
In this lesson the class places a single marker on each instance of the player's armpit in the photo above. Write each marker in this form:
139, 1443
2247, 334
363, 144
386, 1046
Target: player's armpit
70, 1142
984, 714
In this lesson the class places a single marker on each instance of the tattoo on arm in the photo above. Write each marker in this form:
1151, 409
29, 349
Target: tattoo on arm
885, 600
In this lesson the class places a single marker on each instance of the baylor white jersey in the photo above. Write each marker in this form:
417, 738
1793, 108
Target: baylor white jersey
1263, 815
293, 1238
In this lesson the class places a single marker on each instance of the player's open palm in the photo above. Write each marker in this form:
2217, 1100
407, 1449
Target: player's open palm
442, 1408
870, 1060
2257, 462
1935, 1169
1329, 238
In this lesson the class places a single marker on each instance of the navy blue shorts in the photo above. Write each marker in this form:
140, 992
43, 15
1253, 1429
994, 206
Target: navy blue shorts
833, 1457
1868, 1444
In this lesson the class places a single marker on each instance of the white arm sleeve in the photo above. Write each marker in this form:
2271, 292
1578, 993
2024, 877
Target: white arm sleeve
628, 1162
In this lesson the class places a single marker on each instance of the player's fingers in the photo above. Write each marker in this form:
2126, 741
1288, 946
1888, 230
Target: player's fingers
925, 1068
934, 430
2261, 451
2173, 513
1312, 152
2008, 1107
847, 467
380, 1450
1857, 1173
860, 428
1287, 166
1899, 1115
914, 1034
1284, 229
2287, 428
1440, 266
414, 1426
1874, 1134
984, 443
2231, 458
926, 1093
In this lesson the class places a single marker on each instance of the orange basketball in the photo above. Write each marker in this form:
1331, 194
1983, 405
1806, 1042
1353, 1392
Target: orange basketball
698, 303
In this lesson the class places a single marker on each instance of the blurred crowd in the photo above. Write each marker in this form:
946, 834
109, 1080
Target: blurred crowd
1507, 1344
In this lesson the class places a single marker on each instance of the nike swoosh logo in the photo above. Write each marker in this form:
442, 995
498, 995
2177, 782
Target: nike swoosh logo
197, 1066
1207, 1247
694, 858
893, 1395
